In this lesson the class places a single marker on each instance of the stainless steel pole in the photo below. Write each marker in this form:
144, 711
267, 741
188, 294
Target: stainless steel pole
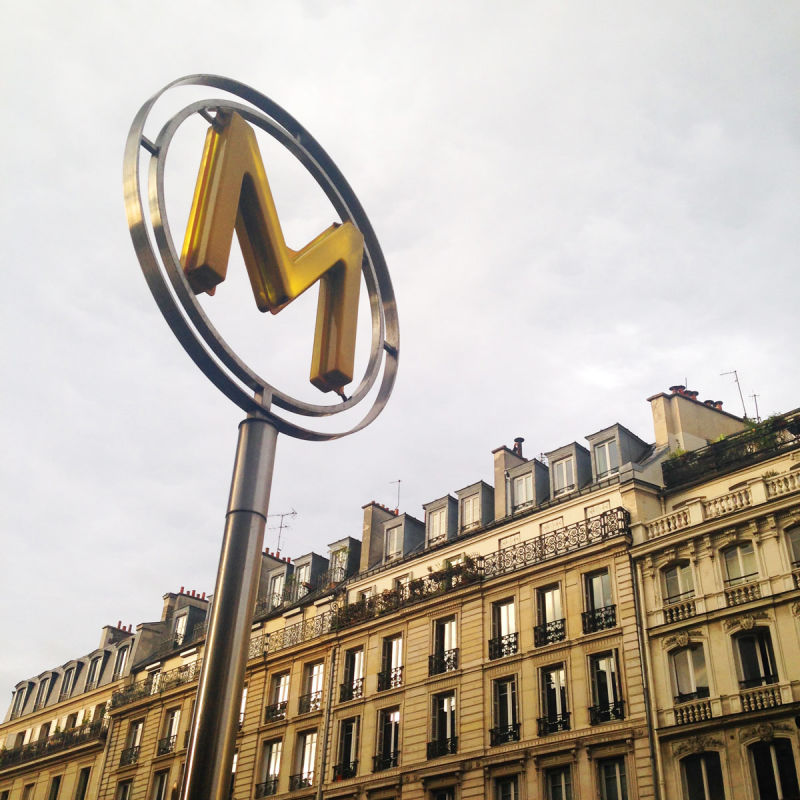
211, 744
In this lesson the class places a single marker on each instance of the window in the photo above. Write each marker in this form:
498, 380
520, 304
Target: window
445, 651
506, 727
276, 589
552, 625
394, 542
66, 683
93, 676
169, 735
606, 694
678, 584
119, 662
600, 611
388, 739
41, 693
270, 768
437, 525
160, 781
83, 783
740, 564
437, 794
522, 491
391, 674
443, 725
155, 681
702, 777
338, 565
347, 764
470, 512
555, 715
756, 660
353, 685
243, 706
130, 753
311, 699
180, 629
558, 781
689, 679
27, 792
564, 475
775, 771
302, 574
793, 538
55, 787
305, 760
611, 775
606, 458
279, 696
506, 788
19, 701
124, 790
504, 630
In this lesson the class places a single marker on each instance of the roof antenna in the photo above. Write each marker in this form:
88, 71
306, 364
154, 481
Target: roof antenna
282, 525
755, 400
738, 386
398, 482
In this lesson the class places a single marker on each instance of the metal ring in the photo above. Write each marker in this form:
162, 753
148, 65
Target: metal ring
196, 334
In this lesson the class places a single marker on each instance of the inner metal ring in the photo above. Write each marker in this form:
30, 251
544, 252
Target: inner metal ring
222, 366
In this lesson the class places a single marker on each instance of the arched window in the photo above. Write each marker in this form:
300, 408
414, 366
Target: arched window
774, 770
740, 564
119, 663
689, 678
702, 775
793, 540
678, 583
755, 658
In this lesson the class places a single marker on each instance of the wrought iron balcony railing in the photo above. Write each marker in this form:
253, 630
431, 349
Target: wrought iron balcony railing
390, 679
309, 702
446, 661
553, 723
607, 713
697, 694
268, 787
95, 731
758, 680
442, 747
301, 781
550, 632
156, 684
679, 598
275, 711
351, 690
385, 761
502, 646
599, 619
503, 734
166, 745
345, 770
130, 755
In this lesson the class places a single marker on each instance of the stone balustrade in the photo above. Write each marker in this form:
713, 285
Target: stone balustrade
675, 612
761, 698
736, 595
727, 503
668, 523
783, 484
698, 711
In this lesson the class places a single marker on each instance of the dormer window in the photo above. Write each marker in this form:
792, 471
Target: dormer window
606, 458
119, 663
338, 565
564, 475
470, 512
437, 525
394, 542
522, 491
180, 629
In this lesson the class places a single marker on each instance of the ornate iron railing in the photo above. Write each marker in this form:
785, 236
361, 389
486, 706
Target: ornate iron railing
550, 632
275, 712
166, 745
267, 788
385, 760
556, 543
345, 770
95, 731
156, 684
130, 755
599, 619
309, 702
553, 723
301, 781
607, 713
502, 646
351, 690
686, 697
446, 661
442, 747
503, 734
390, 679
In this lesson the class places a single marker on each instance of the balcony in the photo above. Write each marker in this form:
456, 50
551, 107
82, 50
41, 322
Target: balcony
607, 713
687, 697
268, 787
390, 679
693, 712
95, 731
761, 699
309, 702
166, 745
151, 686
550, 632
758, 680
385, 761
553, 723
679, 608
502, 646
442, 747
352, 690
302, 780
599, 619
130, 755
345, 770
275, 712
742, 590
446, 661
504, 734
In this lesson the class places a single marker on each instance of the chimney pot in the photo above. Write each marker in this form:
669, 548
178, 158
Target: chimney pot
709, 403
678, 388
718, 405
690, 393
204, 596
517, 449
119, 623
181, 591
288, 559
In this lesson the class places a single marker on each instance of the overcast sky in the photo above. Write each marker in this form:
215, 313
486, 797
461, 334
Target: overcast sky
580, 204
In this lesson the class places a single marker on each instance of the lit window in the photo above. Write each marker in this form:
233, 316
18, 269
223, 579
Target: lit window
522, 489
689, 678
564, 475
606, 458
678, 583
740, 564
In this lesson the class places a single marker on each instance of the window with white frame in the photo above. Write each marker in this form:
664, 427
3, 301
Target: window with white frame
504, 712
388, 738
689, 678
607, 703
19, 701
270, 767
41, 693
338, 565
160, 785
678, 583
504, 641
522, 491
555, 714
276, 585
348, 748
558, 781
124, 790
606, 458
391, 674
470, 511
120, 661
611, 777
775, 773
443, 722
394, 542
93, 676
756, 658
180, 628
302, 574
305, 759
353, 675
740, 564
563, 475
702, 776
437, 525
67, 682
313, 676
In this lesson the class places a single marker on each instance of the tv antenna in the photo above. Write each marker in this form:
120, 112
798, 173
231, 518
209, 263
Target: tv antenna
398, 482
281, 525
738, 386
755, 400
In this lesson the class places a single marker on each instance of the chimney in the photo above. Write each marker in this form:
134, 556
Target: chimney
119, 624
677, 389
504, 460
372, 536
517, 448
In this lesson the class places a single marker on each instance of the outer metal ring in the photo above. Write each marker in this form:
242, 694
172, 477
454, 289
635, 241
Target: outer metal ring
196, 334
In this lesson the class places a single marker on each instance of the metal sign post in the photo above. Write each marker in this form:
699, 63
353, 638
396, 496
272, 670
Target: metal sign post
232, 192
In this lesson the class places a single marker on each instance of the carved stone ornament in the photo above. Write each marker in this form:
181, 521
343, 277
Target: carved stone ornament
680, 639
745, 621
765, 731
796, 609
649, 567
695, 744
